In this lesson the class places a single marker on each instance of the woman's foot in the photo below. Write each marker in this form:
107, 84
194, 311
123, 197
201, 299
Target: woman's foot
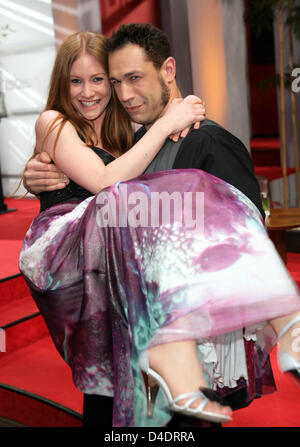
178, 365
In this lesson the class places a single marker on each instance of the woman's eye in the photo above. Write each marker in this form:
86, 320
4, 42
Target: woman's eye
98, 79
75, 81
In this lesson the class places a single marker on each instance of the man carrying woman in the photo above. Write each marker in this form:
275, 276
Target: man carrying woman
119, 300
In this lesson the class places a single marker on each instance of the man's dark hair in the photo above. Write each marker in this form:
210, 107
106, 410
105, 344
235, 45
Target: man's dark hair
154, 42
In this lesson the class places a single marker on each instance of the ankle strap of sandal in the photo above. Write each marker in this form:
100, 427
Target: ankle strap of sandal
288, 326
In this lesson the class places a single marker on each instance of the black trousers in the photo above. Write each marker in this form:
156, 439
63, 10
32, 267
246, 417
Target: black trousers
98, 410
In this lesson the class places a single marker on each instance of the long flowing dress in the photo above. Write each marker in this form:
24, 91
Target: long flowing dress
173, 255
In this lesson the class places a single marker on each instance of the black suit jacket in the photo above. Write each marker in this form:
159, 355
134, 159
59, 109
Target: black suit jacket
216, 151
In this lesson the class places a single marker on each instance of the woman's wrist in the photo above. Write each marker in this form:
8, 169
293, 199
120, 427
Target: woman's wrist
163, 126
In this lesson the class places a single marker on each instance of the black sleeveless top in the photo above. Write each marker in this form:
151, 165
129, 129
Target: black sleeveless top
72, 191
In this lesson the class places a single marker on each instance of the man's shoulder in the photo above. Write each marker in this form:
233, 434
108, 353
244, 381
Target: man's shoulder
209, 128
213, 135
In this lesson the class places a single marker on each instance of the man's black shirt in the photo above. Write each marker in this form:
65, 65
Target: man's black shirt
216, 151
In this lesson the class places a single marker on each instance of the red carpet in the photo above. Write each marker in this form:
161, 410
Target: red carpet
13, 227
36, 387
280, 409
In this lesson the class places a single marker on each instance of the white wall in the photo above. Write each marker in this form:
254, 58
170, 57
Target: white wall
208, 56
26, 58
219, 62
235, 46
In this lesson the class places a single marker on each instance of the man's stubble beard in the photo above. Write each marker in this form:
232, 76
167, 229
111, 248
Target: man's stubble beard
165, 97
165, 92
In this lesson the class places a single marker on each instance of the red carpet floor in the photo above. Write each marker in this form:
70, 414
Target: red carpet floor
13, 227
31, 362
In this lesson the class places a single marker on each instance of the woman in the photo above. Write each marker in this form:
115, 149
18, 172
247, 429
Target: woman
114, 295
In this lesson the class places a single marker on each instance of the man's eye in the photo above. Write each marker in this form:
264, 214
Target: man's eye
114, 82
134, 78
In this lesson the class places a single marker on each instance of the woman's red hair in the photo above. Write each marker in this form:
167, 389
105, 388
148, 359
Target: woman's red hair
116, 131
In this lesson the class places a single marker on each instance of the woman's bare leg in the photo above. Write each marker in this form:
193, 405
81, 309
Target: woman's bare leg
178, 364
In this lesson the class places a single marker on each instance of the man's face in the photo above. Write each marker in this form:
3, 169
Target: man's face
140, 87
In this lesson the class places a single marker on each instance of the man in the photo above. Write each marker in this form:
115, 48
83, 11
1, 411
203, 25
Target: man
143, 73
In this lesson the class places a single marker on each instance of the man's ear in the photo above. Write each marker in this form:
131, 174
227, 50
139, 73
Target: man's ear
168, 69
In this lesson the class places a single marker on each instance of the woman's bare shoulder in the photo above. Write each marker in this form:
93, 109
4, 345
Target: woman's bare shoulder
46, 129
46, 119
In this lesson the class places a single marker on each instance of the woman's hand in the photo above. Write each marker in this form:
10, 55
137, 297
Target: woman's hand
191, 99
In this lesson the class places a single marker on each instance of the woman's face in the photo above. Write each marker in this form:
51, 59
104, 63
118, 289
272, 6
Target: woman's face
90, 88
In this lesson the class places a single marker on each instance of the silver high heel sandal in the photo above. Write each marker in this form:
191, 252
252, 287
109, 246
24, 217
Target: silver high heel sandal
286, 363
204, 393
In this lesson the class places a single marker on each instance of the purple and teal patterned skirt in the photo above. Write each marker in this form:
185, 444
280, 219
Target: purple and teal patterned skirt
174, 255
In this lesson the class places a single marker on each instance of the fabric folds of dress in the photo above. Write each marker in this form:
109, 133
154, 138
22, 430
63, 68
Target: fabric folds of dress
112, 277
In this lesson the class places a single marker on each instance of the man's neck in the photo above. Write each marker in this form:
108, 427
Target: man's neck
175, 93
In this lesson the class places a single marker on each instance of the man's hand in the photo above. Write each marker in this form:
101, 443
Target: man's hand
40, 175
